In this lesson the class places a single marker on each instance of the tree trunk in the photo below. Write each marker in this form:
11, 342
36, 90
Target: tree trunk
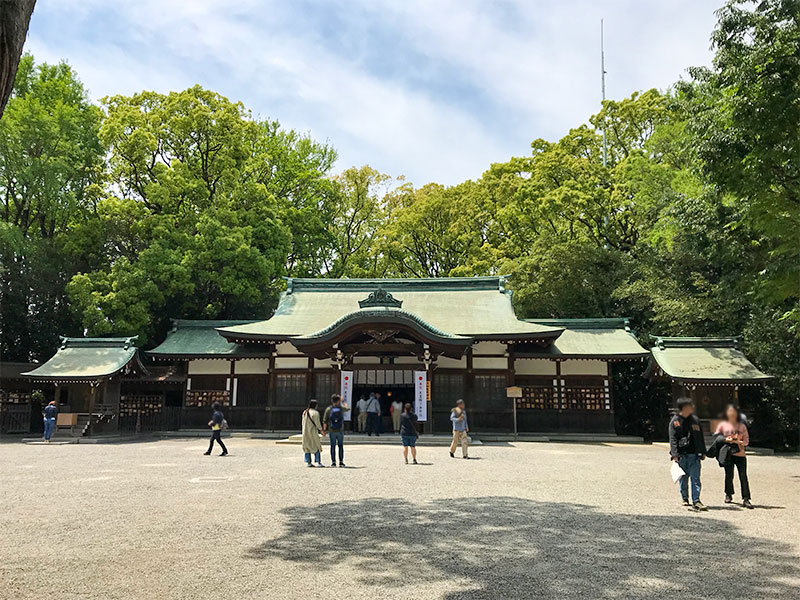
15, 15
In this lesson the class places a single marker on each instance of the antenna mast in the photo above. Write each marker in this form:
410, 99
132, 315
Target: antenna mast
603, 88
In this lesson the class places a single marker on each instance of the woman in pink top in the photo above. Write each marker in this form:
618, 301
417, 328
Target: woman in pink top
735, 433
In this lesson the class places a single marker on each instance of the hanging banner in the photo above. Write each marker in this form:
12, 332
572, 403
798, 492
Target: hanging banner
346, 392
421, 395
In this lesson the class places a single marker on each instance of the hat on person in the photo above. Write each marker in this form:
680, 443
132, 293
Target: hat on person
459, 401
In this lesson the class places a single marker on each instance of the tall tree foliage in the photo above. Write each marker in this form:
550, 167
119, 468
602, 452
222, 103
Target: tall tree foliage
745, 123
50, 171
208, 208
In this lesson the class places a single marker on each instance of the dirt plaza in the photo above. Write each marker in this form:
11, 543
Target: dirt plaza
158, 519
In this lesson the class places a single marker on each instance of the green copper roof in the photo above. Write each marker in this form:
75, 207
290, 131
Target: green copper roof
200, 339
591, 338
87, 358
478, 307
704, 359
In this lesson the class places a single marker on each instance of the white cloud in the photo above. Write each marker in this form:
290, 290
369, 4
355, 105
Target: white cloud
506, 72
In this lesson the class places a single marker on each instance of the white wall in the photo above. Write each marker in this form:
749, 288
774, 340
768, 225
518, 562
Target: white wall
255, 366
534, 366
286, 348
291, 362
489, 363
452, 363
488, 348
209, 367
584, 367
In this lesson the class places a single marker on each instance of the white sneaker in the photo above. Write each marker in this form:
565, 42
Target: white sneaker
309, 465
319, 464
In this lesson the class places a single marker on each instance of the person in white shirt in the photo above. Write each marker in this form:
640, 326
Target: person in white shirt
397, 412
361, 405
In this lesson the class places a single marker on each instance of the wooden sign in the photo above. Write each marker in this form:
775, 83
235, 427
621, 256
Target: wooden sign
514, 392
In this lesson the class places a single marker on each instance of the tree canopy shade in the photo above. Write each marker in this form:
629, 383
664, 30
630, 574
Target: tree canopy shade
117, 218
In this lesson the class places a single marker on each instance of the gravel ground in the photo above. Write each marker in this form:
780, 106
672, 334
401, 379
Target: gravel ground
159, 520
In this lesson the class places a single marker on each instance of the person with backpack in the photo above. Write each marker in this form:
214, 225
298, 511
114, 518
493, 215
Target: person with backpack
333, 423
49, 413
687, 448
312, 428
217, 424
408, 432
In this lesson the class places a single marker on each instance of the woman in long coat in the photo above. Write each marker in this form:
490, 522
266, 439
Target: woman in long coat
312, 428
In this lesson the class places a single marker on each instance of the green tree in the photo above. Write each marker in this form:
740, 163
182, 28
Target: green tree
357, 212
745, 123
193, 227
50, 171
434, 231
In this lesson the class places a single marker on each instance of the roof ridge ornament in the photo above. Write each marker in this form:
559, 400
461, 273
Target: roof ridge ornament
380, 297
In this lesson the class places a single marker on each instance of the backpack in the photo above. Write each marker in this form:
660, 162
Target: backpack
336, 417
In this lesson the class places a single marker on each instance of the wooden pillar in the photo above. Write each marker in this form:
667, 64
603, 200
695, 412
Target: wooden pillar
311, 387
559, 387
272, 386
232, 383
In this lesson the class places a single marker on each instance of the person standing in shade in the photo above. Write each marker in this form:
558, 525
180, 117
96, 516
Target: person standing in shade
397, 412
687, 448
408, 433
216, 423
458, 416
333, 422
735, 432
379, 420
373, 415
361, 405
49, 413
312, 428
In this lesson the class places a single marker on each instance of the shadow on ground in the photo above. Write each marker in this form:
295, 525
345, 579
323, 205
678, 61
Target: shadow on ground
500, 547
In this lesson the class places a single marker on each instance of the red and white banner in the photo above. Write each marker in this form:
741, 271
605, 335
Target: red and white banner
346, 392
421, 395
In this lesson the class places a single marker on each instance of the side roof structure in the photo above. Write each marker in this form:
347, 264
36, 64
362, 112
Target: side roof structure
471, 307
89, 359
608, 339
703, 360
194, 339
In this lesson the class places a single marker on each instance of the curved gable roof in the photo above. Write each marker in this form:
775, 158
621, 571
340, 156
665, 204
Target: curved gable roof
477, 307
704, 359
87, 359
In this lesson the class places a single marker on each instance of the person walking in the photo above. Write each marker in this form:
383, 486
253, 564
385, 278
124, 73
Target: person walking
362, 414
217, 424
312, 428
333, 422
397, 412
373, 415
458, 416
736, 434
49, 413
687, 448
408, 432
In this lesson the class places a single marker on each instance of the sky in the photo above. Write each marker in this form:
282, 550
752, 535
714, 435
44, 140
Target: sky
432, 90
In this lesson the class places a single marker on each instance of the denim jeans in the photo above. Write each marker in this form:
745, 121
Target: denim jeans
690, 463
337, 439
49, 424
317, 457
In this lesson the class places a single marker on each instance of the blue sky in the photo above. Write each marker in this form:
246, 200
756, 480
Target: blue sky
433, 91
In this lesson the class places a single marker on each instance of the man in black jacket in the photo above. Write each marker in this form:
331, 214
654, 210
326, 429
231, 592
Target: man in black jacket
686, 447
